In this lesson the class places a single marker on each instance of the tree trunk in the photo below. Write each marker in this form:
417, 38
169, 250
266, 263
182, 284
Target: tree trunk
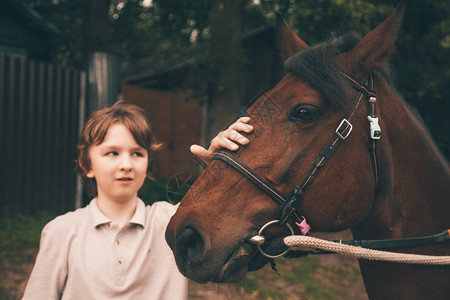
223, 100
96, 26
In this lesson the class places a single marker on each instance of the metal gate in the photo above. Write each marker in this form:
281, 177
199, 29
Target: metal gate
39, 125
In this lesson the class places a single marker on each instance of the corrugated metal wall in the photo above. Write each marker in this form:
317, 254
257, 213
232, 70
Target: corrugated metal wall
39, 115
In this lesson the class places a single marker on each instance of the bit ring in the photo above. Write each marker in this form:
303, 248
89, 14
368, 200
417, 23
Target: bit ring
258, 244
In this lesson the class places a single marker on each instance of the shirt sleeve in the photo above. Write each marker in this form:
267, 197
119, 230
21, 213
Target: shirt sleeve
170, 284
49, 274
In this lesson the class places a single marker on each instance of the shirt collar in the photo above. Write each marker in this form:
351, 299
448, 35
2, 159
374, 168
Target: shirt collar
100, 219
139, 215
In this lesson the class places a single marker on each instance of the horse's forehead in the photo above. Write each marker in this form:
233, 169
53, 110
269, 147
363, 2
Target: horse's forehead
292, 90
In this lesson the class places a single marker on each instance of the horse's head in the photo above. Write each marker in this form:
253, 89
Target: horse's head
292, 123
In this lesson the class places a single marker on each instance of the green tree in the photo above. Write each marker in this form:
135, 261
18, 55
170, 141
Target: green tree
165, 27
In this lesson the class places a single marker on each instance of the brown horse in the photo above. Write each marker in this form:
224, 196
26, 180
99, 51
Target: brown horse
399, 187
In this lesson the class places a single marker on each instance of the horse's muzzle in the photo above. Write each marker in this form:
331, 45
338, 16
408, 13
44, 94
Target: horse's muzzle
190, 245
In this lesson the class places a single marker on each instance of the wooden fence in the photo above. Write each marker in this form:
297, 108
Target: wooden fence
39, 124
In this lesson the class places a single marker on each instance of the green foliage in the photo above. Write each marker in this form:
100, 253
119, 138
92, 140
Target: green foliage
314, 20
153, 191
161, 189
423, 65
138, 32
131, 20
182, 22
18, 233
67, 16
4, 293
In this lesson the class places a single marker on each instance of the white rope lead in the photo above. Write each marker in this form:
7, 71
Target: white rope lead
359, 252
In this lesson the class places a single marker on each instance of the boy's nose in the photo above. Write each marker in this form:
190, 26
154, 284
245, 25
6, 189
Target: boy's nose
125, 163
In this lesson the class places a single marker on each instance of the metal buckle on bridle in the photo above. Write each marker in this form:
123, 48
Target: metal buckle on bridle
341, 135
259, 239
375, 130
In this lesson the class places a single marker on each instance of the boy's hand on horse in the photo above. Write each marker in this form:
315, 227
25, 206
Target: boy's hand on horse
228, 139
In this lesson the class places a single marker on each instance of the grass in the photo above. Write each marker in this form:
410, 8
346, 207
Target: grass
305, 278
18, 233
4, 295
296, 278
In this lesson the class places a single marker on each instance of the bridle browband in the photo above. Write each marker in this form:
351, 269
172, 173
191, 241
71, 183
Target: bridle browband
289, 202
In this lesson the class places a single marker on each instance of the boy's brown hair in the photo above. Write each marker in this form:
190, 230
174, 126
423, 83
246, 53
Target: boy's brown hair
132, 117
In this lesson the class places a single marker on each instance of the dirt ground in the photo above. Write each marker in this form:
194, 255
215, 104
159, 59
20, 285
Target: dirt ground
338, 276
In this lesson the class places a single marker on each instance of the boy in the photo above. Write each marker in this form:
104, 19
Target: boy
114, 248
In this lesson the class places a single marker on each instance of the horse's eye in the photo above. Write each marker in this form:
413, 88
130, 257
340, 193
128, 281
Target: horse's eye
303, 114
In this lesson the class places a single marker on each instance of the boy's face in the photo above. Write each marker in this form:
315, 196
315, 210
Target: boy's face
118, 164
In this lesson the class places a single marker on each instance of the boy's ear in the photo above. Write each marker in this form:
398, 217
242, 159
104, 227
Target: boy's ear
90, 174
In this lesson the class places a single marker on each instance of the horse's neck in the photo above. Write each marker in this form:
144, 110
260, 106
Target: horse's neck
412, 200
414, 193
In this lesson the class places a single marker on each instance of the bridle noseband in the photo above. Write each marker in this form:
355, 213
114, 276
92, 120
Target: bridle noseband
288, 203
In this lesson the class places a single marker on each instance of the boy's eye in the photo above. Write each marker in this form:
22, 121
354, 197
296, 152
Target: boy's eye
138, 154
112, 153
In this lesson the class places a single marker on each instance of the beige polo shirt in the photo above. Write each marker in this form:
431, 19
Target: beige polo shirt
83, 255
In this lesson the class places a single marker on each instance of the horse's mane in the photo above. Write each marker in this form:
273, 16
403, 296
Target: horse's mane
319, 67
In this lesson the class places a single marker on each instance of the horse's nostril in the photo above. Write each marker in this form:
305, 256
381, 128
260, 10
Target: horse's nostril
191, 245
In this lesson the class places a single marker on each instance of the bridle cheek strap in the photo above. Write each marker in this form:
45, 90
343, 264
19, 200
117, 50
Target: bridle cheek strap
275, 194
289, 203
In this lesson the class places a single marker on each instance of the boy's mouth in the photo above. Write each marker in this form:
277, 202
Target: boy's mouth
125, 179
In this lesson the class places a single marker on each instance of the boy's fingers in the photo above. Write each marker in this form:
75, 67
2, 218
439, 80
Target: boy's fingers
229, 145
224, 141
241, 127
233, 135
244, 119
200, 152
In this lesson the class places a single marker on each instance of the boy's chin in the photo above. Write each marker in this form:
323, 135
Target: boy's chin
121, 197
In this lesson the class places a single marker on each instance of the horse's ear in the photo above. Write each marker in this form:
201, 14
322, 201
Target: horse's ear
376, 47
289, 42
